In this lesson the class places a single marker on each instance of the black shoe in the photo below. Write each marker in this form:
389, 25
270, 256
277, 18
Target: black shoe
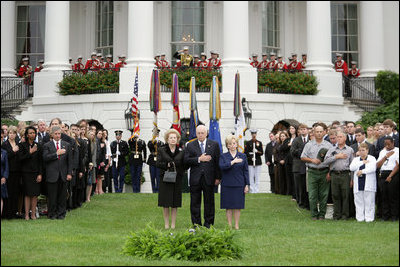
61, 217
52, 217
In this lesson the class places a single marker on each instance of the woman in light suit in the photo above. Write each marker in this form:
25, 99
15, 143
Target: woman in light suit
234, 180
364, 184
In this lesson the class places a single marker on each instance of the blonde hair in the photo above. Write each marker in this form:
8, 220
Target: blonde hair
172, 131
229, 139
13, 129
363, 145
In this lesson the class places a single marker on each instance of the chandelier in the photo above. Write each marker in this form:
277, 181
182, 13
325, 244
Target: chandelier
188, 38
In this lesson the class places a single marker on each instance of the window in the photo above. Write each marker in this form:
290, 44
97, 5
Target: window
187, 27
30, 34
344, 18
104, 27
270, 27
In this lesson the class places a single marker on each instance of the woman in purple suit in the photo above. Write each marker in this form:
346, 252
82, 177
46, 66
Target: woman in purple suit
235, 180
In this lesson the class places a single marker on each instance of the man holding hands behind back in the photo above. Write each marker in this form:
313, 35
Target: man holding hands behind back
58, 162
202, 156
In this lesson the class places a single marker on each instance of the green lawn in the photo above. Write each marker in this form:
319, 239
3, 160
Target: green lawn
273, 232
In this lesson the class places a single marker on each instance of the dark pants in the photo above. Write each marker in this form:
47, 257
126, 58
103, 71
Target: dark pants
301, 189
57, 195
340, 184
118, 172
14, 189
209, 203
289, 180
107, 184
155, 178
136, 172
389, 196
272, 180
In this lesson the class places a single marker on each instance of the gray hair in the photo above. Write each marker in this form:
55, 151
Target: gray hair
55, 129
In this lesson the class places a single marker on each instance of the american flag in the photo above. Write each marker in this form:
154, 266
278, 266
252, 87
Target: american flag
134, 106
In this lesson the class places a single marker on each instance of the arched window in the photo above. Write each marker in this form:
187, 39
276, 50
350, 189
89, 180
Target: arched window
187, 27
270, 27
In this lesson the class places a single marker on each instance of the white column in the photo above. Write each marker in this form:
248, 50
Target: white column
319, 35
140, 34
372, 39
57, 36
140, 48
236, 48
8, 38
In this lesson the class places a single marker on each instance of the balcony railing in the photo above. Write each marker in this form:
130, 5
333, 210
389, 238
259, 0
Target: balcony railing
361, 91
14, 92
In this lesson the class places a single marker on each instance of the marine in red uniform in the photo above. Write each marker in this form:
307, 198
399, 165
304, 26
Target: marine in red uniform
255, 62
354, 71
78, 67
164, 62
263, 65
294, 65
109, 64
91, 61
281, 65
100, 59
157, 61
197, 61
40, 67
214, 61
272, 62
341, 65
304, 61
203, 61
25, 71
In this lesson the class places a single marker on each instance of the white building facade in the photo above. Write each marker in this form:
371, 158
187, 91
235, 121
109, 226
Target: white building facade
364, 31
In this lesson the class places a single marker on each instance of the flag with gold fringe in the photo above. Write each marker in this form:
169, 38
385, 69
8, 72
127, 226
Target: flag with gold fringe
215, 112
240, 124
155, 99
134, 106
194, 115
175, 103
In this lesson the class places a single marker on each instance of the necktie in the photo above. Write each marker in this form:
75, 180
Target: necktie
202, 147
304, 140
57, 149
351, 139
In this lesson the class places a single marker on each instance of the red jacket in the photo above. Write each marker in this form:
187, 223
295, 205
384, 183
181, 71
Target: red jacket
341, 66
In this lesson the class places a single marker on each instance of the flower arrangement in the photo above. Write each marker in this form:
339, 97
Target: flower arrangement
287, 83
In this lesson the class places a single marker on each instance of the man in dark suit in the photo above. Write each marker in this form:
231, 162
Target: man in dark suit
268, 160
57, 156
64, 137
299, 167
202, 156
360, 137
351, 137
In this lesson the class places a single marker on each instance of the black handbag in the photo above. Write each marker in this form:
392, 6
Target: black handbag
170, 176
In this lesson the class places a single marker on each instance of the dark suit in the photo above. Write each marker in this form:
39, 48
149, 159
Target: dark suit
268, 158
299, 171
350, 142
57, 169
202, 178
371, 148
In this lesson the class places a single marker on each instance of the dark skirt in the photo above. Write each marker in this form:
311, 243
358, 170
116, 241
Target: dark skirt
4, 193
170, 194
31, 187
232, 197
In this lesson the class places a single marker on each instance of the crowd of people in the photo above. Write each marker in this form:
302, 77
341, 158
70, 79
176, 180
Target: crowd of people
340, 163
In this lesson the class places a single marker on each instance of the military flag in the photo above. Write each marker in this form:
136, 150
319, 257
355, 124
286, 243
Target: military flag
134, 106
215, 112
194, 115
175, 103
155, 99
240, 124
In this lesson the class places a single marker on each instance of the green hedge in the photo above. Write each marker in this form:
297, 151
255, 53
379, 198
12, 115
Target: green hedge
105, 81
287, 83
203, 77
387, 86
202, 244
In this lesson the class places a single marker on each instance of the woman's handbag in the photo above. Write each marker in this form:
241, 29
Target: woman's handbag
170, 176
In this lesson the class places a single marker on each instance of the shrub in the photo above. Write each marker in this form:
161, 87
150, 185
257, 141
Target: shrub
287, 83
104, 81
203, 77
387, 86
387, 111
197, 245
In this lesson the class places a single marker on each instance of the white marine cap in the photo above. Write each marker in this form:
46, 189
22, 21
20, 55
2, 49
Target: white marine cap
99, 55
354, 63
196, 56
186, 48
253, 131
79, 57
254, 55
272, 54
109, 55
25, 59
339, 55
93, 54
163, 54
203, 54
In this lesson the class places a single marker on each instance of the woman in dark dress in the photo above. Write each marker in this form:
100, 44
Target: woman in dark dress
280, 157
285, 149
170, 157
101, 162
235, 180
14, 182
31, 155
4, 177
